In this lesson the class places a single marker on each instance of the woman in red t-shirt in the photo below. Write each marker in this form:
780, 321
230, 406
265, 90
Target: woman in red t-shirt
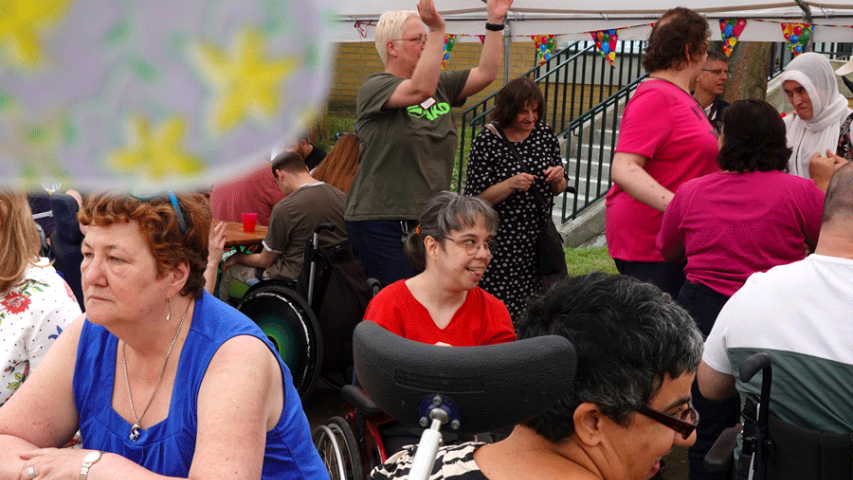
443, 305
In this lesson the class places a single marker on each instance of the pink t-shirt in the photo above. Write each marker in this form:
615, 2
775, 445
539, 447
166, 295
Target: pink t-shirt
256, 192
481, 320
731, 225
666, 125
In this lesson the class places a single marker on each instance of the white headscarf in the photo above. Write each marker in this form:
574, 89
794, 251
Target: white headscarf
819, 134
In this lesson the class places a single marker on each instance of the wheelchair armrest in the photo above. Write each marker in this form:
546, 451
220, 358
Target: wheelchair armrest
356, 397
491, 387
720, 457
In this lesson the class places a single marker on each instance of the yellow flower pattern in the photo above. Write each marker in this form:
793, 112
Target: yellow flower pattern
246, 83
155, 153
19, 22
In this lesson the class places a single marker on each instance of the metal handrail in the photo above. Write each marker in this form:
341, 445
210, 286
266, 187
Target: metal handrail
574, 82
603, 113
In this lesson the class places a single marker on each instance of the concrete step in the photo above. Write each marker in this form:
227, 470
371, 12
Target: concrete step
586, 167
608, 133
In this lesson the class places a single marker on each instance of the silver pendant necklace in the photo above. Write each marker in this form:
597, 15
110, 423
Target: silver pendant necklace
134, 430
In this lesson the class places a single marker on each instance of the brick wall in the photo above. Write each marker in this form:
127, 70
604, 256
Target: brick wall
356, 61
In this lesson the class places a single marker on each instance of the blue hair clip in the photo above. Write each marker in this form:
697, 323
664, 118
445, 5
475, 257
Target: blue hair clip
178, 212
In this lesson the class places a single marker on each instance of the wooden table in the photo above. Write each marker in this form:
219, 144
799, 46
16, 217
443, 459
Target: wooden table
236, 237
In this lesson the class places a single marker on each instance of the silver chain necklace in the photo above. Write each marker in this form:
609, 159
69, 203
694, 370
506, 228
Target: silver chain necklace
134, 430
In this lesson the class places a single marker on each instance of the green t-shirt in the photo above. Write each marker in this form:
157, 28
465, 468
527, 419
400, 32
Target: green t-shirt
293, 221
406, 154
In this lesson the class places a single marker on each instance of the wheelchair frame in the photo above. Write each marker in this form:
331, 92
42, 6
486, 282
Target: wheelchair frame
284, 311
773, 448
490, 388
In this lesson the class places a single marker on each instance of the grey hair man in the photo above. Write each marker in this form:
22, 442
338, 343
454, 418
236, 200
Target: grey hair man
709, 86
407, 132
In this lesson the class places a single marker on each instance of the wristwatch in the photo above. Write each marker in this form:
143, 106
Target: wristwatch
90, 459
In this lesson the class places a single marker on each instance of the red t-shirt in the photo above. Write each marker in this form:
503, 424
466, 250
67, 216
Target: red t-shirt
257, 192
666, 125
481, 320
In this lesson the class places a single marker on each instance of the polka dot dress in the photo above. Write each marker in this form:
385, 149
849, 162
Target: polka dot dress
510, 275
32, 315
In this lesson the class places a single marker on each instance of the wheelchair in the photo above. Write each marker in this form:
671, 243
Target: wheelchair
458, 390
310, 319
773, 448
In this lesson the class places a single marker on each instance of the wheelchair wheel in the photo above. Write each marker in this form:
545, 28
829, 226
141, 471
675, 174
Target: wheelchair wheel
370, 442
292, 328
338, 447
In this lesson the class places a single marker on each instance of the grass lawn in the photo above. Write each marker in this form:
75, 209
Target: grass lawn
585, 260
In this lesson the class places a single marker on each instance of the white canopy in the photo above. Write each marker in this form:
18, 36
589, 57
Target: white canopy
573, 19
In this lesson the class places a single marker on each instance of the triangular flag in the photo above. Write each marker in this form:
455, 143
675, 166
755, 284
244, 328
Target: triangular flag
449, 42
544, 46
360, 29
730, 30
605, 41
797, 35
482, 38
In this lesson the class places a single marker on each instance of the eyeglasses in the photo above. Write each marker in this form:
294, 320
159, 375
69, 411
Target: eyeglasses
472, 246
685, 424
420, 39
717, 72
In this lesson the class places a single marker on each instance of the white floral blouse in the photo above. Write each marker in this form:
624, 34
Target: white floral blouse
32, 315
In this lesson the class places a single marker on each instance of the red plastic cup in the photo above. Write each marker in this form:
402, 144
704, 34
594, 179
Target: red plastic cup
249, 221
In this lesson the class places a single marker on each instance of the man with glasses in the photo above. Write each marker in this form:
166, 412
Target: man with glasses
709, 87
637, 354
407, 133
799, 314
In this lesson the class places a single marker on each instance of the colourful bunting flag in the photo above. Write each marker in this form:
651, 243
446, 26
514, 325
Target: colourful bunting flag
449, 42
797, 35
360, 29
482, 38
730, 29
544, 46
605, 42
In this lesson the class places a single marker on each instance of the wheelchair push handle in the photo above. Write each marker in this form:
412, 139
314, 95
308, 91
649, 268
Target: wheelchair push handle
315, 240
324, 226
753, 365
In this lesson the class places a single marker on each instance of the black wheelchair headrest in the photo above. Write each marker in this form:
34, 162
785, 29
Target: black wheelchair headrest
65, 209
488, 388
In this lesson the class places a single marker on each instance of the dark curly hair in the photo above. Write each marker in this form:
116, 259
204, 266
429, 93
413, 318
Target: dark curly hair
628, 336
513, 97
753, 138
159, 225
677, 28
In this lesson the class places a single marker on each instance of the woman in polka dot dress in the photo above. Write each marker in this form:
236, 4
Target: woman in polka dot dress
35, 302
496, 176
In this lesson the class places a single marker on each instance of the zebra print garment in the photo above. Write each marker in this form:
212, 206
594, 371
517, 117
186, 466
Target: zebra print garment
453, 462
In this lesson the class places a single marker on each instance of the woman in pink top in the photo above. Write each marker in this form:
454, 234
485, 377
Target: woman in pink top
748, 218
443, 304
664, 140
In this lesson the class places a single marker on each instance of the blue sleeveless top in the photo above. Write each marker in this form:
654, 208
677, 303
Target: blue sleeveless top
167, 448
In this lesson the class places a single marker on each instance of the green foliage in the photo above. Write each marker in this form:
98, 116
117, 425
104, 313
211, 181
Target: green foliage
330, 126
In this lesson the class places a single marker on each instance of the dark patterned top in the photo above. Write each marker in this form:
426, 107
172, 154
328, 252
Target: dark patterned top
511, 274
845, 145
454, 462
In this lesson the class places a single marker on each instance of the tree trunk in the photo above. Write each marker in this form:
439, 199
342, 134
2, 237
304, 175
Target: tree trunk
750, 67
